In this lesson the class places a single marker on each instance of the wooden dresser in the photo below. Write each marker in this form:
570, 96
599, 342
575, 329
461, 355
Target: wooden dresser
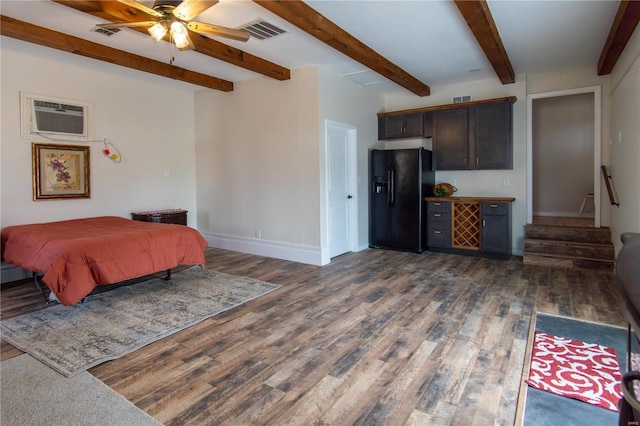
479, 226
176, 216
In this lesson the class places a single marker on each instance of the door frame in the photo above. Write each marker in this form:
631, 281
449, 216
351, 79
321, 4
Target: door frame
597, 144
352, 182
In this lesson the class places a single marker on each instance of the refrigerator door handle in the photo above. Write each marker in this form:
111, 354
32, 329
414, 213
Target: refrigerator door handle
389, 188
392, 187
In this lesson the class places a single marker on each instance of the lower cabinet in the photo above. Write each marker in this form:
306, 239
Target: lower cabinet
496, 227
438, 224
465, 225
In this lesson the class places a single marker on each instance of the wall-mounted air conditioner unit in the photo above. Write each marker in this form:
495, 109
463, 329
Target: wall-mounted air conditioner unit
55, 118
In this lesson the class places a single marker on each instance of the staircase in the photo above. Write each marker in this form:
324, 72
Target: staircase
568, 247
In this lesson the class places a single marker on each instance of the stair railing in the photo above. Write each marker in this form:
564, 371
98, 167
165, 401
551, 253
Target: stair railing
608, 181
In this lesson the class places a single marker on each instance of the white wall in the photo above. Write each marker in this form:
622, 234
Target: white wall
258, 167
260, 162
484, 182
624, 140
346, 102
149, 119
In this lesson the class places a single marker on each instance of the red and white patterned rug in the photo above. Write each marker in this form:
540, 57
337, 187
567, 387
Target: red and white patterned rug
584, 371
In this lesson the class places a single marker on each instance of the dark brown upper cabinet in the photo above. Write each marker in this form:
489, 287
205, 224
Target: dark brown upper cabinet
490, 133
451, 152
476, 137
401, 126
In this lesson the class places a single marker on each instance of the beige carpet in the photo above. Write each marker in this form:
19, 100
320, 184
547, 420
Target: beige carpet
112, 324
34, 394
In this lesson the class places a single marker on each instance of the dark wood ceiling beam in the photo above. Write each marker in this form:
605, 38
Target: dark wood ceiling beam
114, 11
622, 28
309, 20
33, 34
478, 17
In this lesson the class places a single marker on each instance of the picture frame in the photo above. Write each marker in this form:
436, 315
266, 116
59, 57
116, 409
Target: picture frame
60, 171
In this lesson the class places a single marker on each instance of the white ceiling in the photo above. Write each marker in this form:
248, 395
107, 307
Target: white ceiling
427, 38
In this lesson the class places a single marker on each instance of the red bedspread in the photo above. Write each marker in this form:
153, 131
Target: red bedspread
77, 255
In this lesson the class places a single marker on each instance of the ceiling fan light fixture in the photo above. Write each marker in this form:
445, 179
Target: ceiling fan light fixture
157, 31
179, 34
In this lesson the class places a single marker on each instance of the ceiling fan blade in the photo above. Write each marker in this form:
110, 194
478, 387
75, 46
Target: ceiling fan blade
216, 30
189, 9
127, 24
142, 7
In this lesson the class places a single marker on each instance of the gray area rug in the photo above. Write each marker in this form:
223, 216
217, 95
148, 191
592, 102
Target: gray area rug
34, 394
112, 324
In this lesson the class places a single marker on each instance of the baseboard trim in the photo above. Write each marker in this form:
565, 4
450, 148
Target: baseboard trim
362, 247
294, 252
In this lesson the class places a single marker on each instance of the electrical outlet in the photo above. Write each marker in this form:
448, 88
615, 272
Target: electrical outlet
506, 182
258, 233
453, 182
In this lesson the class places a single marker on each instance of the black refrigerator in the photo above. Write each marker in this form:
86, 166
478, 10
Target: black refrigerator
399, 181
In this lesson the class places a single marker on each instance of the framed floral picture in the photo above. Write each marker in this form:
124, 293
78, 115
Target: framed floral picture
60, 171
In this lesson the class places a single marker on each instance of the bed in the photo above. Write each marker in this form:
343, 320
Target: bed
77, 255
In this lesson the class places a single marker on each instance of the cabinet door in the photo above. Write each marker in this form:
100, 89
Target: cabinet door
413, 125
393, 126
496, 227
428, 124
490, 131
401, 126
450, 148
495, 234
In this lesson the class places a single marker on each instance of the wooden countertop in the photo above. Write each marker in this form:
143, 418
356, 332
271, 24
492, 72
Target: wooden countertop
472, 199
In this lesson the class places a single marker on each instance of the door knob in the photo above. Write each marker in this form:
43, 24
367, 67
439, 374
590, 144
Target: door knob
349, 197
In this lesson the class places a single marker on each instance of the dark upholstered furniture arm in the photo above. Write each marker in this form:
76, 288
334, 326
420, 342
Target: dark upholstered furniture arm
628, 278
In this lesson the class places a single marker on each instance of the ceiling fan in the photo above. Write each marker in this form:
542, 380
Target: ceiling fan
174, 17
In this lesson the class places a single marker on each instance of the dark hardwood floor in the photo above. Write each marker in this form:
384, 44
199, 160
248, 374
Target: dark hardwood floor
376, 337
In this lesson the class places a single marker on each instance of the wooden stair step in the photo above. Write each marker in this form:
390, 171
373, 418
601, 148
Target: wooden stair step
568, 233
568, 247
565, 261
604, 251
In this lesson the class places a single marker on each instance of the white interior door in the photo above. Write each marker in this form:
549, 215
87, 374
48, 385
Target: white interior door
341, 190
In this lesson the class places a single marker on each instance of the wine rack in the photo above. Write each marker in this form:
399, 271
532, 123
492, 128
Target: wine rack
465, 225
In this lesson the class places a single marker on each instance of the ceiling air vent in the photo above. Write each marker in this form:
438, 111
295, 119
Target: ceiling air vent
461, 99
105, 31
262, 29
